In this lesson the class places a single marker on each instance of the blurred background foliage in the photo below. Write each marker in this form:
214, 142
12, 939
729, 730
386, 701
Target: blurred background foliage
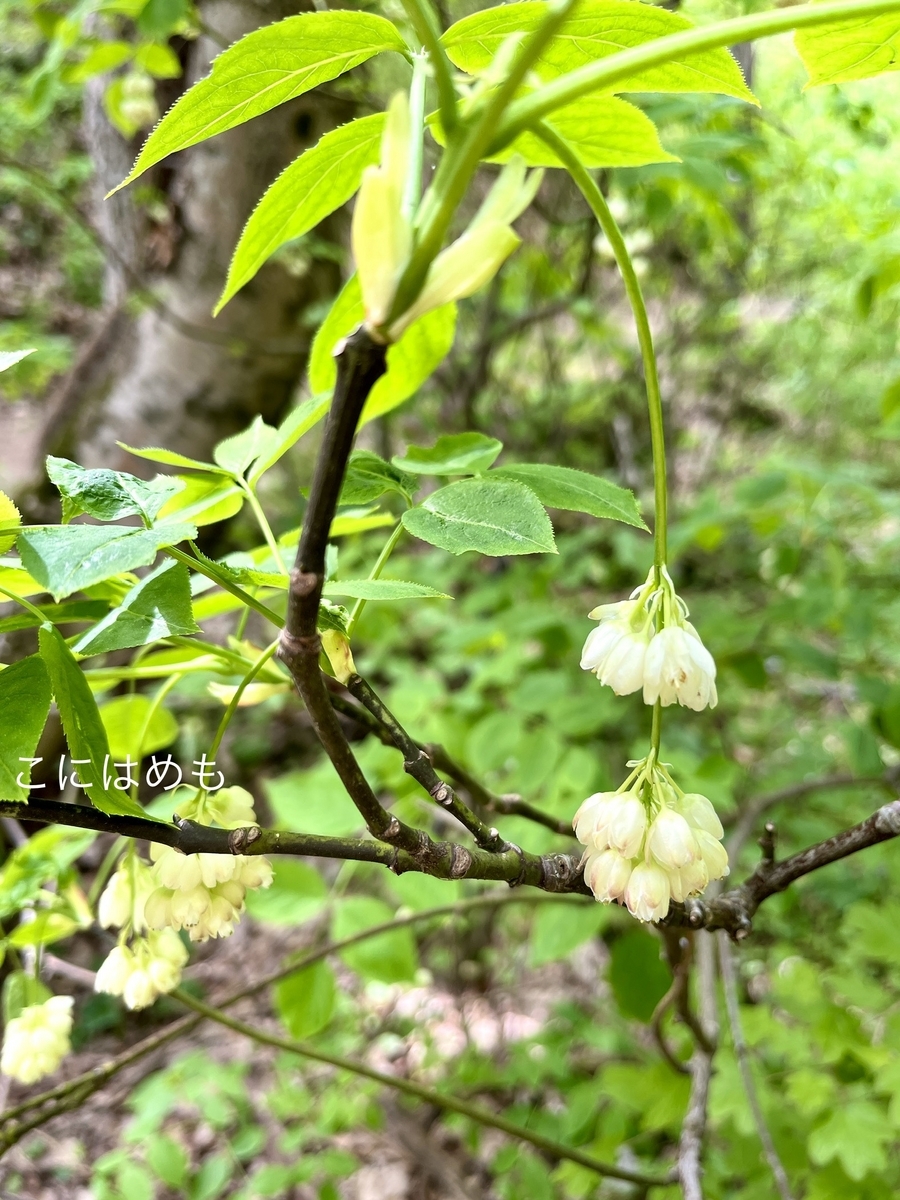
770, 255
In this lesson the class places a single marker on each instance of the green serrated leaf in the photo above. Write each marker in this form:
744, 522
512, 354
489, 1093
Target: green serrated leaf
170, 458
368, 476
596, 30
157, 607
298, 421
68, 558
306, 999
410, 361
313, 186
10, 519
85, 735
264, 69
382, 589
236, 453
496, 517
853, 49
206, 498
128, 732
108, 495
452, 454
298, 892
389, 957
332, 616
575, 491
58, 614
25, 703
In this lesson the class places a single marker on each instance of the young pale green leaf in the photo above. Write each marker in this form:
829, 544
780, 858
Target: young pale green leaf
68, 558
157, 607
306, 999
559, 929
382, 589
9, 358
206, 498
169, 457
368, 476
390, 956
25, 703
298, 892
236, 453
108, 495
452, 454
264, 69
85, 735
128, 732
47, 927
298, 421
575, 491
853, 49
10, 521
332, 616
596, 30
604, 131
410, 361
313, 186
496, 517
58, 614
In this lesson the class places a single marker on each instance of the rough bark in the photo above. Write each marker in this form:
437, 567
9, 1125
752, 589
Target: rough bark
170, 375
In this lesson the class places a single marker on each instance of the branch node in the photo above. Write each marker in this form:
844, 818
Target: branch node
304, 583
887, 819
460, 861
240, 839
522, 864
441, 792
767, 844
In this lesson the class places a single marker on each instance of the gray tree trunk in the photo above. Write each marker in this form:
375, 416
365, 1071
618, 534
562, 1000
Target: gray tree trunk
168, 374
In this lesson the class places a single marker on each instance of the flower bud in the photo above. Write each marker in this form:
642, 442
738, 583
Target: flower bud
139, 991
114, 971
647, 893
713, 853
698, 812
627, 825
671, 841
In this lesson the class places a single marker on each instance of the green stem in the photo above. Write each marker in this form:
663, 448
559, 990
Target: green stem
105, 869
656, 729
417, 131
385, 554
605, 219
204, 568
36, 612
263, 523
596, 76
425, 24
553, 1150
236, 698
151, 713
461, 159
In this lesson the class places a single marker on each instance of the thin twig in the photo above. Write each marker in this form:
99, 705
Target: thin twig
551, 1149
73, 1092
732, 1007
693, 1131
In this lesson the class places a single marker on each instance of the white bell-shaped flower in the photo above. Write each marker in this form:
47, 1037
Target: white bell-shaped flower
713, 853
628, 825
648, 892
671, 841
678, 667
699, 813
114, 971
592, 819
607, 875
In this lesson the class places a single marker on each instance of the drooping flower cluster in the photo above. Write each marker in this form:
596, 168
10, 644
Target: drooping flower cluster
649, 843
647, 643
382, 232
201, 893
143, 971
37, 1040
